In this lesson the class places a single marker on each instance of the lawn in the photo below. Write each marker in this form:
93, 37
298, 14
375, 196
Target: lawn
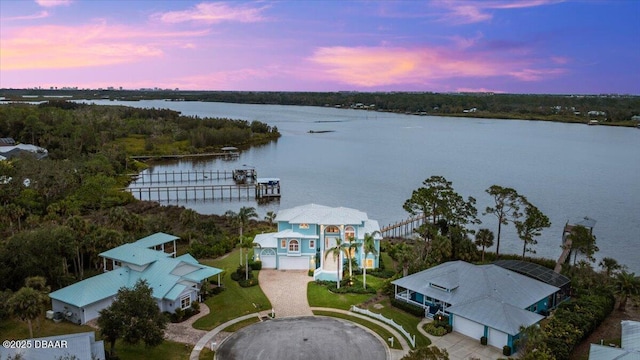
382, 332
234, 301
320, 296
15, 329
408, 321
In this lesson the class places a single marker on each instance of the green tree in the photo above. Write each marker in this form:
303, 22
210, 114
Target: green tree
506, 208
582, 241
270, 217
241, 219
427, 353
484, 238
531, 227
350, 248
368, 247
133, 317
335, 252
610, 266
247, 244
27, 304
189, 219
626, 285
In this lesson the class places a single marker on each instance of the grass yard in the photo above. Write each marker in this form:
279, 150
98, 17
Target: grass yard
408, 321
234, 301
13, 329
206, 354
168, 350
239, 325
320, 296
382, 332
372, 281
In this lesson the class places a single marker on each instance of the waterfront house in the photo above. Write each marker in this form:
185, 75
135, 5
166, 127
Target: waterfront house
307, 233
480, 300
175, 281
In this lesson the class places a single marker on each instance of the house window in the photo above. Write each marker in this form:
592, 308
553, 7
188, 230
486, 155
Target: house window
294, 246
185, 301
283, 243
312, 244
349, 233
369, 263
304, 226
332, 230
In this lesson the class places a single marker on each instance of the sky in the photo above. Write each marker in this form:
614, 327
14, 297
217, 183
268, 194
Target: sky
503, 46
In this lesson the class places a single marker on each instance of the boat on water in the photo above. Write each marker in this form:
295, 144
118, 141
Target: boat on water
593, 122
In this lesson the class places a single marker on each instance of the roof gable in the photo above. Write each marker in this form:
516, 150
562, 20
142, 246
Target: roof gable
322, 215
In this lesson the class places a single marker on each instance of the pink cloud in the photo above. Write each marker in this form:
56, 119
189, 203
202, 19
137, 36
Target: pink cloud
214, 13
96, 44
52, 3
383, 66
468, 12
41, 15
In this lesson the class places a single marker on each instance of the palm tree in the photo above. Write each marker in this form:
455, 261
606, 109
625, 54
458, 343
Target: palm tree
247, 243
241, 219
609, 265
405, 255
368, 247
626, 285
270, 217
484, 238
350, 248
336, 251
27, 305
189, 219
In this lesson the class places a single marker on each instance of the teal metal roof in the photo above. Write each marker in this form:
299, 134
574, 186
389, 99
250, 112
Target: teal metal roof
156, 239
168, 277
134, 254
96, 288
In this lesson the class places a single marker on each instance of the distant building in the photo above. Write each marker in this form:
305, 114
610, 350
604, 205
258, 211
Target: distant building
8, 151
68, 346
629, 344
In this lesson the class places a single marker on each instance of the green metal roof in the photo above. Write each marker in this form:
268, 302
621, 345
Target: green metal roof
96, 288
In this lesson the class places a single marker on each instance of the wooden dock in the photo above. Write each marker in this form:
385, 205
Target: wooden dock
172, 177
226, 155
403, 228
206, 192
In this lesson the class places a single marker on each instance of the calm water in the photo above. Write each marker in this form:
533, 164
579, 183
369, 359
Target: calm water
372, 162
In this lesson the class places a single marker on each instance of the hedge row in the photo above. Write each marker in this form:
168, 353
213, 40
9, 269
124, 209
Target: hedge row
574, 321
410, 308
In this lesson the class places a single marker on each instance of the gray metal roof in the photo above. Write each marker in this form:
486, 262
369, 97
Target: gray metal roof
630, 335
80, 345
475, 281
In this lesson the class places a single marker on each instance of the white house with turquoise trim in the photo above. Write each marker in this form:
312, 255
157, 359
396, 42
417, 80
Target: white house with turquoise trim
306, 234
175, 281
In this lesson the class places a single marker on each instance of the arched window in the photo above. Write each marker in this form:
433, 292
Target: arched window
349, 232
294, 246
332, 230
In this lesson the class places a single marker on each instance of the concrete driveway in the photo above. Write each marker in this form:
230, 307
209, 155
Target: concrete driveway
287, 291
462, 347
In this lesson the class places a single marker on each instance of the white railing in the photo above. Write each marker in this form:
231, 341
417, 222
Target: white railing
411, 338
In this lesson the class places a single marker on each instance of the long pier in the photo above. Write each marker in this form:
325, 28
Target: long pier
403, 228
172, 177
206, 192
226, 155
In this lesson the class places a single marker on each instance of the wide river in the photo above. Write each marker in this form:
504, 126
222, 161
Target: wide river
372, 161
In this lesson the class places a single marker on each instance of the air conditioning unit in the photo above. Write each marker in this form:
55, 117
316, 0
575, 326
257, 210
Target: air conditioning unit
49, 314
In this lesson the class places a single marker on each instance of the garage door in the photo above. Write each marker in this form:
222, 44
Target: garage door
294, 263
268, 261
467, 327
497, 338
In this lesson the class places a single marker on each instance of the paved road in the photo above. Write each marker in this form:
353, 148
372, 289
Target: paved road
307, 338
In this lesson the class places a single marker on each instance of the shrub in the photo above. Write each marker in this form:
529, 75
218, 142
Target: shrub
383, 274
240, 274
248, 283
434, 330
410, 308
217, 290
255, 265
483, 340
506, 350
345, 288
195, 306
310, 272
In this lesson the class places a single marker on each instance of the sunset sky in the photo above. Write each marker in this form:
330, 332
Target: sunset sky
514, 46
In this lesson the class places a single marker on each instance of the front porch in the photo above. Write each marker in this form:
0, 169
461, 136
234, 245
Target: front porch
432, 307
